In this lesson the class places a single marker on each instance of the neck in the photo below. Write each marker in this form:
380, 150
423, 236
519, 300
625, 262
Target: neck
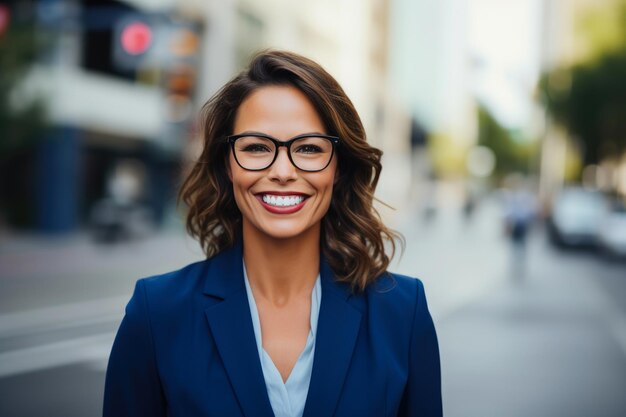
281, 270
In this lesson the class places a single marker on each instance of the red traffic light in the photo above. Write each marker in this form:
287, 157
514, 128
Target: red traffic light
136, 38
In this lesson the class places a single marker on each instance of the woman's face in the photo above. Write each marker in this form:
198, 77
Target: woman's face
281, 112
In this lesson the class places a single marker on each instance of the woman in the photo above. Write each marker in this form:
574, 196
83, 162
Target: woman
293, 312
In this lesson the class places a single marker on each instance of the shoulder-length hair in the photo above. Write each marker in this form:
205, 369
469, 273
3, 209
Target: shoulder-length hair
352, 233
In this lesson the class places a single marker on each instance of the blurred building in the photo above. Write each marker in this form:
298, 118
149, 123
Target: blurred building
119, 79
124, 79
430, 62
429, 67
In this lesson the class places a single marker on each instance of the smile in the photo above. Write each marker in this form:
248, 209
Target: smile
282, 204
282, 201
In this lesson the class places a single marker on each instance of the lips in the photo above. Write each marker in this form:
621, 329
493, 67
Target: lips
282, 202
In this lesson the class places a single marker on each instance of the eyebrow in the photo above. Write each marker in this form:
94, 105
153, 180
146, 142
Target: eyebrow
268, 135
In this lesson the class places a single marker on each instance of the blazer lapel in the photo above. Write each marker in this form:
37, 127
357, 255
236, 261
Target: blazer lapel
231, 324
337, 331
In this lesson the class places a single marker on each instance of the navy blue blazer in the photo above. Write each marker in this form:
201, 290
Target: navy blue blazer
186, 348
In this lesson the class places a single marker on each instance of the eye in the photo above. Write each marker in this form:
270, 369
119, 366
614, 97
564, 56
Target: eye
308, 148
255, 148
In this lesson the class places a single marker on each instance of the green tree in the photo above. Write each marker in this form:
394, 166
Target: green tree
511, 155
589, 98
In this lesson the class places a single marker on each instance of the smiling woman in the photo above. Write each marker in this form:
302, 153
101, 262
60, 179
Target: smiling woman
282, 96
265, 177
293, 313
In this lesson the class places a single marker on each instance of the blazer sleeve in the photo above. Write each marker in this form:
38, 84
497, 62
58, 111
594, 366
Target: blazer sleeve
422, 395
132, 387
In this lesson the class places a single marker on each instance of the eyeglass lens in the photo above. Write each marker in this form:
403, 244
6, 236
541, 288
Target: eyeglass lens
309, 153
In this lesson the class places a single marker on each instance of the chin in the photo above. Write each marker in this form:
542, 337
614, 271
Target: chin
282, 229
289, 232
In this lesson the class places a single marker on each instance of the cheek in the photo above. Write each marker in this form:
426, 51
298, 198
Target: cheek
325, 187
240, 181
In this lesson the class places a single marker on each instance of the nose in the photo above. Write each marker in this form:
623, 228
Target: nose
282, 170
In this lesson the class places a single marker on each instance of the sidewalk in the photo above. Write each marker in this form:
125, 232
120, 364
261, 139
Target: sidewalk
62, 298
41, 271
553, 346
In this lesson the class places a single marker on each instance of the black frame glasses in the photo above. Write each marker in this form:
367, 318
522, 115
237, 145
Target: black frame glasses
334, 140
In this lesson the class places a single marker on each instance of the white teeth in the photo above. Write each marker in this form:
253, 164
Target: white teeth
282, 201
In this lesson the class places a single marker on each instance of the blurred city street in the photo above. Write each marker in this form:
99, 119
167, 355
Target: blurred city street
503, 134
549, 342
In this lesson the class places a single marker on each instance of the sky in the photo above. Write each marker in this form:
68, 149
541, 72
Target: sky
504, 44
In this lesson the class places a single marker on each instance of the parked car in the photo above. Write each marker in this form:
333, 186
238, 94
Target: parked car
612, 233
577, 216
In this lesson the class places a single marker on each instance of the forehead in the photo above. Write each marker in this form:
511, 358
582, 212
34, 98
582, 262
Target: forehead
280, 111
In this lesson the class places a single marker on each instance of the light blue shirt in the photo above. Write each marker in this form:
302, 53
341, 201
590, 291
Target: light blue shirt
287, 398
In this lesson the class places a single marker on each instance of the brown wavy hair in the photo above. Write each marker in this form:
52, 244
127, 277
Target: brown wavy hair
352, 233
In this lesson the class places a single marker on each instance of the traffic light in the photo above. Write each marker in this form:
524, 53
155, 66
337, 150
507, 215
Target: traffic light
158, 41
134, 37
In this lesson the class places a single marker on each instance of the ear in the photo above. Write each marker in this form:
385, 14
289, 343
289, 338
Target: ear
336, 178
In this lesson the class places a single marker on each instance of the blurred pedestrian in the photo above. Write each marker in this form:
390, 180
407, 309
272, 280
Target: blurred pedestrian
293, 313
520, 212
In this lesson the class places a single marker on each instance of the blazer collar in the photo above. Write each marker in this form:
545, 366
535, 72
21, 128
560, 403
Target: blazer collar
230, 322
337, 332
231, 325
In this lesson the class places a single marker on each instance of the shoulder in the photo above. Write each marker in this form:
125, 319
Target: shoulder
395, 295
187, 276
396, 288
394, 311
172, 288
165, 300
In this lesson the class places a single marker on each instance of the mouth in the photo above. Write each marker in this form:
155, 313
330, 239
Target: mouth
282, 203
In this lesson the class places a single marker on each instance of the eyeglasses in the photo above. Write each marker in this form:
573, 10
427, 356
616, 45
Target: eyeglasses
307, 152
